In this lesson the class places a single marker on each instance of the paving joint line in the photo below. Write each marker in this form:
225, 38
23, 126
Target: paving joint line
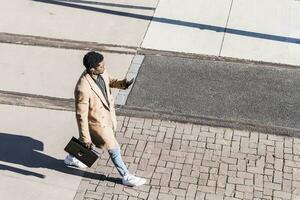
224, 34
54, 103
155, 52
30, 40
157, 3
36, 101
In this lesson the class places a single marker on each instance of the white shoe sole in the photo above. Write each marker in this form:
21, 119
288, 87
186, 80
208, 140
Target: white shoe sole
141, 182
70, 163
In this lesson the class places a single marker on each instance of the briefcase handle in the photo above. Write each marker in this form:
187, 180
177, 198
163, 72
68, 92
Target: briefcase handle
81, 143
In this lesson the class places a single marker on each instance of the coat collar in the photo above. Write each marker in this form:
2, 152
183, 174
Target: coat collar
96, 89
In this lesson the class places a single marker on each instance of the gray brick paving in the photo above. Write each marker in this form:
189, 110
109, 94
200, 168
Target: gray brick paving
188, 161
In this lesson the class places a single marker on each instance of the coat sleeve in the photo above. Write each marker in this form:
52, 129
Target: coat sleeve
82, 109
115, 83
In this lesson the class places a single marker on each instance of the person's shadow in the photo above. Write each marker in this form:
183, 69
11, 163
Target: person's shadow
24, 150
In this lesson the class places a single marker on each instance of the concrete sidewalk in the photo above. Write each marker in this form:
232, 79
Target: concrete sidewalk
261, 30
180, 160
31, 154
94, 21
50, 71
256, 30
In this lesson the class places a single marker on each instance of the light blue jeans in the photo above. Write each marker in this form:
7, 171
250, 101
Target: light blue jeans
115, 155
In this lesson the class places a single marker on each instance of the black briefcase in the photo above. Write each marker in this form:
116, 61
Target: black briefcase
82, 153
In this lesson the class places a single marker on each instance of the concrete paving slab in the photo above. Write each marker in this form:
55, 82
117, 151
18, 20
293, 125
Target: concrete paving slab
103, 21
50, 71
194, 26
264, 30
253, 94
31, 154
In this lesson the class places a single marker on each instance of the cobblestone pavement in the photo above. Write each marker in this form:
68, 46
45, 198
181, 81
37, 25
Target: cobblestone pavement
188, 161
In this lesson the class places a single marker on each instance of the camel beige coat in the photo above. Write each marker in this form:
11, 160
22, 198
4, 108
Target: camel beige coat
96, 118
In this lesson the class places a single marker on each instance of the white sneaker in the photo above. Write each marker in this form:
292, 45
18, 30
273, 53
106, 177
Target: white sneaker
72, 161
131, 180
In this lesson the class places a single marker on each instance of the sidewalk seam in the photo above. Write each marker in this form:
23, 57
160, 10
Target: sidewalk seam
52, 103
155, 52
31, 40
209, 121
223, 39
28, 40
150, 21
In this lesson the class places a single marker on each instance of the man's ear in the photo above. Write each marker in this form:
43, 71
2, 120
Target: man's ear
91, 70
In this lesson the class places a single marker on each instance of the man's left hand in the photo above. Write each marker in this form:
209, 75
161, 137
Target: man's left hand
89, 145
128, 83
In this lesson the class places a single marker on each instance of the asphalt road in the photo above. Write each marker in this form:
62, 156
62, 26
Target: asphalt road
250, 93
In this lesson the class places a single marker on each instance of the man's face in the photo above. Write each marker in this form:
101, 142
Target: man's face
99, 69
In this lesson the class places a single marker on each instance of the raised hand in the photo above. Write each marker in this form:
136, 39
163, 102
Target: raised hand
128, 83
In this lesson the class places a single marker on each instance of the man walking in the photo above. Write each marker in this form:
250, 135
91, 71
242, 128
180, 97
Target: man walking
95, 114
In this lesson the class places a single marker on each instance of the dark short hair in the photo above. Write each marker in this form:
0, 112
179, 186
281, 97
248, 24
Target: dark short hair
92, 59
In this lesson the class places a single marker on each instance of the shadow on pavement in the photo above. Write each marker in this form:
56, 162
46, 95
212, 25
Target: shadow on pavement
24, 150
265, 36
111, 4
21, 171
